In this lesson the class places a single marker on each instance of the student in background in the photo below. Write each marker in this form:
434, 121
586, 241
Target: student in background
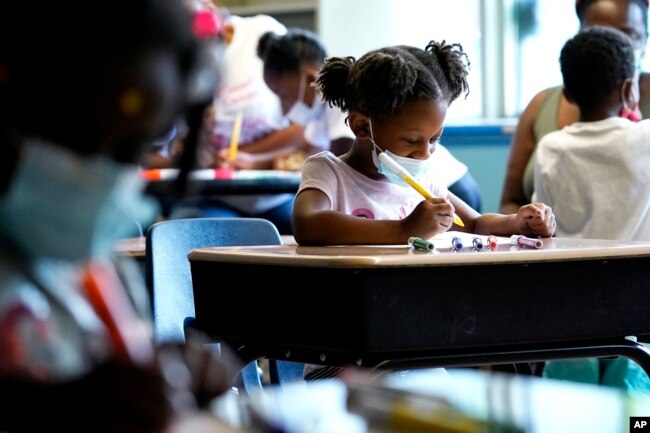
76, 108
354, 198
549, 110
594, 172
243, 92
291, 65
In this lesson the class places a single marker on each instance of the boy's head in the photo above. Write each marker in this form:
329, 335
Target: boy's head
598, 69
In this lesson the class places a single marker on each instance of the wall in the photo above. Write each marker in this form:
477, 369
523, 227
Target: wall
484, 149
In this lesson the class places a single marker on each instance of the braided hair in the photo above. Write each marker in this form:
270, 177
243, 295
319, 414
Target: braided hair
382, 81
285, 53
594, 62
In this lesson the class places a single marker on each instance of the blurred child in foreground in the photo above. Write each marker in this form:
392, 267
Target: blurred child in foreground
74, 121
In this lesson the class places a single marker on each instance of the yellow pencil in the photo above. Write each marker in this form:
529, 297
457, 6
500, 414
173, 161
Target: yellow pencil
401, 172
234, 138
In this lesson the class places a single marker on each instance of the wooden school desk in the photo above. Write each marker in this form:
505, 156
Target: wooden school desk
393, 307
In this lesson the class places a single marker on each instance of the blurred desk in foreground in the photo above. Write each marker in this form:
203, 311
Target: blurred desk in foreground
209, 182
393, 307
466, 401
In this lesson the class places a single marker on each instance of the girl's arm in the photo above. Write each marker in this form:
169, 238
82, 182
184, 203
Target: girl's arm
315, 223
266, 149
535, 219
521, 149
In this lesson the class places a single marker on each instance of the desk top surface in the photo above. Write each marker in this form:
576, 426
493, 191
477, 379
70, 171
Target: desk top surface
220, 174
136, 247
162, 182
349, 256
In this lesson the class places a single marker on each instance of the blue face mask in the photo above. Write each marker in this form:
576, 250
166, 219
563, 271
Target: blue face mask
60, 205
417, 168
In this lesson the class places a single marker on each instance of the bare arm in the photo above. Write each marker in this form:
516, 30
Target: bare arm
521, 149
261, 153
534, 219
289, 137
315, 223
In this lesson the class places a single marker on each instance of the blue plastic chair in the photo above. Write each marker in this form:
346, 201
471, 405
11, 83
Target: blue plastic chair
168, 275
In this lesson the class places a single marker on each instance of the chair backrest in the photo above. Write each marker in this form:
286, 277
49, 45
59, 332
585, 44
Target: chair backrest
168, 275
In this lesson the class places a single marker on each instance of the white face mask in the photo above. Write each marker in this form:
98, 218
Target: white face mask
417, 168
638, 58
64, 206
300, 113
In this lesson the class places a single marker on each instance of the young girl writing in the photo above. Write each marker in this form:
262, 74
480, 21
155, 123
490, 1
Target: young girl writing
396, 99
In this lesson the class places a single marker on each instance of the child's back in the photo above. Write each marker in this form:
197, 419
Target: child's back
595, 177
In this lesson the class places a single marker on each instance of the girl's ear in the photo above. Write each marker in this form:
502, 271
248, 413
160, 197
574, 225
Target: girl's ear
359, 124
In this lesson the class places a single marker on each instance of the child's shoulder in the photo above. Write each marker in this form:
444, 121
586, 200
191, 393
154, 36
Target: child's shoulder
325, 163
323, 157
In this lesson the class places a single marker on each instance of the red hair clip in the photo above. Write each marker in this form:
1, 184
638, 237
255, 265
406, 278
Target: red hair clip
207, 24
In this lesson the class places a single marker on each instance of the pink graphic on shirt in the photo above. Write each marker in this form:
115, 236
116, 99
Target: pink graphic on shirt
363, 213
402, 212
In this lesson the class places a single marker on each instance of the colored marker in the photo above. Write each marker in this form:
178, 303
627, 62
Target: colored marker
129, 335
406, 176
477, 243
234, 137
524, 241
421, 244
456, 243
492, 242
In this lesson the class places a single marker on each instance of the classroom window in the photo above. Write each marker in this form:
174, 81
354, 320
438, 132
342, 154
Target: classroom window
513, 45
541, 29
416, 22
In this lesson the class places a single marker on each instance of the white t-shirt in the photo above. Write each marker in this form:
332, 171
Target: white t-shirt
353, 193
242, 87
596, 177
447, 168
328, 126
